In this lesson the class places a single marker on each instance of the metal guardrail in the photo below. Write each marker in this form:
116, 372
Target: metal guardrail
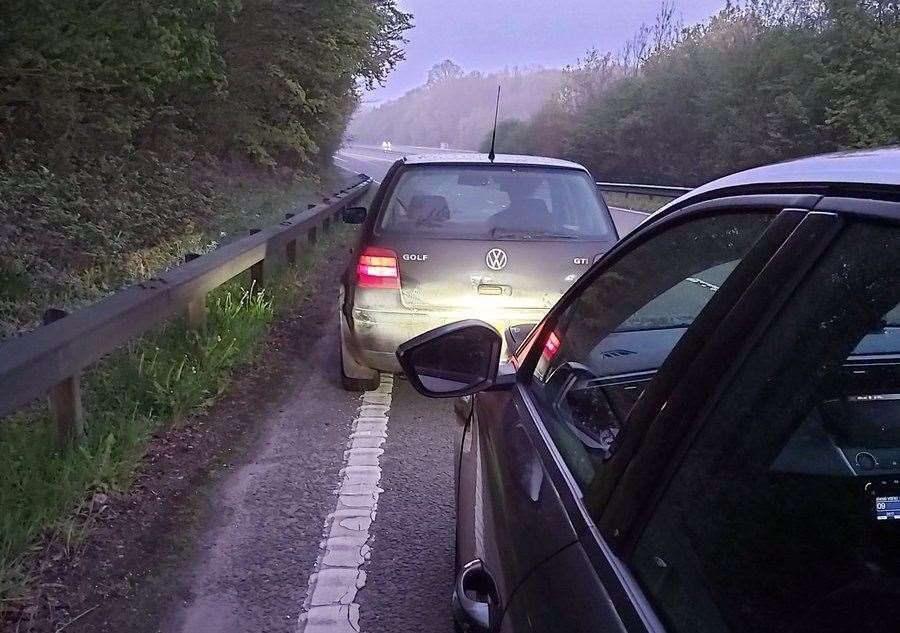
52, 357
643, 190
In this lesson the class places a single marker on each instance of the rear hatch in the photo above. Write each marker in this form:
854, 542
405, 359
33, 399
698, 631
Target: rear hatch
458, 274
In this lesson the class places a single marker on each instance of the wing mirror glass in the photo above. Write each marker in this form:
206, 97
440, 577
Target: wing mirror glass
454, 360
354, 215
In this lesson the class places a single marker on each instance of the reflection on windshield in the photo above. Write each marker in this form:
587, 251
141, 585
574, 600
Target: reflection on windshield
892, 318
678, 306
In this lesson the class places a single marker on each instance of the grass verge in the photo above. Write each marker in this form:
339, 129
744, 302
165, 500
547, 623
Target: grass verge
134, 393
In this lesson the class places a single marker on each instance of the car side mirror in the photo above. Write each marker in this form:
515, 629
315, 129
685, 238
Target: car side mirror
354, 215
453, 360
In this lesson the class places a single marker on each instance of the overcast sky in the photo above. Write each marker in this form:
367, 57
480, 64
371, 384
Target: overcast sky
492, 34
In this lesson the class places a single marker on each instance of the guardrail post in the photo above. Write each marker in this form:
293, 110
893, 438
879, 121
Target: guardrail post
311, 235
65, 398
290, 249
257, 270
196, 309
258, 275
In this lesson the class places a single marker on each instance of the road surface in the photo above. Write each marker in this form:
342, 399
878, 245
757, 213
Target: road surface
375, 162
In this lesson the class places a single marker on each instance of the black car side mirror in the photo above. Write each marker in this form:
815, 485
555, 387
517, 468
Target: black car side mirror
453, 360
354, 215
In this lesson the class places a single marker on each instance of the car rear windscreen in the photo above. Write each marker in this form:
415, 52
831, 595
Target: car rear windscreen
496, 202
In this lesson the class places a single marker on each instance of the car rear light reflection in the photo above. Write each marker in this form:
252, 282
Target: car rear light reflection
551, 347
377, 268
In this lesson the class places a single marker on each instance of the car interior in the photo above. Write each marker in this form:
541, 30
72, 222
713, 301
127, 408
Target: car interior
812, 541
787, 517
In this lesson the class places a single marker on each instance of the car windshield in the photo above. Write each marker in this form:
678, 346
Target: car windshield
497, 202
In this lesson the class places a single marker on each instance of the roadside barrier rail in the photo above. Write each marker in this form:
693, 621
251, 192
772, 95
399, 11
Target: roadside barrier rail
50, 359
643, 190
639, 198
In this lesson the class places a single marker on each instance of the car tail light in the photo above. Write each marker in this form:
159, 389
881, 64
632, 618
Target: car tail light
377, 268
551, 347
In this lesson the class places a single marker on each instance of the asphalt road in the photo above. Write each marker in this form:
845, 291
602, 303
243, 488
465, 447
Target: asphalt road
375, 162
340, 518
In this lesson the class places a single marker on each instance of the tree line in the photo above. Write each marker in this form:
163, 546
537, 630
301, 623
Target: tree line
759, 82
456, 107
119, 119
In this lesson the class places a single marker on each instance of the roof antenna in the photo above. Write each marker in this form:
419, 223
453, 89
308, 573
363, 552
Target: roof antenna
492, 155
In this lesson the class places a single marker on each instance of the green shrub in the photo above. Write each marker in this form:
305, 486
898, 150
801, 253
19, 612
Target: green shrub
761, 81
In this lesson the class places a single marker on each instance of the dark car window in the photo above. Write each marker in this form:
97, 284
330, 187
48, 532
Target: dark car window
610, 341
784, 515
500, 202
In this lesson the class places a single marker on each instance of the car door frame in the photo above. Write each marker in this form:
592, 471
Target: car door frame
843, 211
605, 552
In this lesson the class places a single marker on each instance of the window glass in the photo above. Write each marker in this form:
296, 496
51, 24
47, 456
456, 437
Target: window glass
500, 202
612, 339
785, 513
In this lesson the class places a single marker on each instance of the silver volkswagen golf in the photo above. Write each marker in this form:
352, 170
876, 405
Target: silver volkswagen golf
457, 236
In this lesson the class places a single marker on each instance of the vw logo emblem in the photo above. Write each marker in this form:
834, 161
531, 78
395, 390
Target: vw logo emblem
496, 259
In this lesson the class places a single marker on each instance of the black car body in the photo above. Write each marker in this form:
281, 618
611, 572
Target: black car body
704, 433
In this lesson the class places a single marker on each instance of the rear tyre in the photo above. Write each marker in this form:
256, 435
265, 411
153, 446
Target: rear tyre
357, 384
355, 377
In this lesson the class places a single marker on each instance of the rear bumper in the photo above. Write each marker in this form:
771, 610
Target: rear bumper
374, 335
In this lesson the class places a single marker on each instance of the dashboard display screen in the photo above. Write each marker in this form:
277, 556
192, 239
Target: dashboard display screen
887, 508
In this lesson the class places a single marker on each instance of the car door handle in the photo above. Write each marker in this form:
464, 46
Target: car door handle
475, 601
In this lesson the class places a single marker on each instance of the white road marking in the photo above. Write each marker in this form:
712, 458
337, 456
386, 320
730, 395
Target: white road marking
330, 605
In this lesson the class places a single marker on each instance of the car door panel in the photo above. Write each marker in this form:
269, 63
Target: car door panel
563, 595
510, 514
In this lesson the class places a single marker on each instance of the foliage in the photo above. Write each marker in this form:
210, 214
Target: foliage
447, 70
122, 124
456, 108
83, 233
292, 90
759, 82
82, 76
